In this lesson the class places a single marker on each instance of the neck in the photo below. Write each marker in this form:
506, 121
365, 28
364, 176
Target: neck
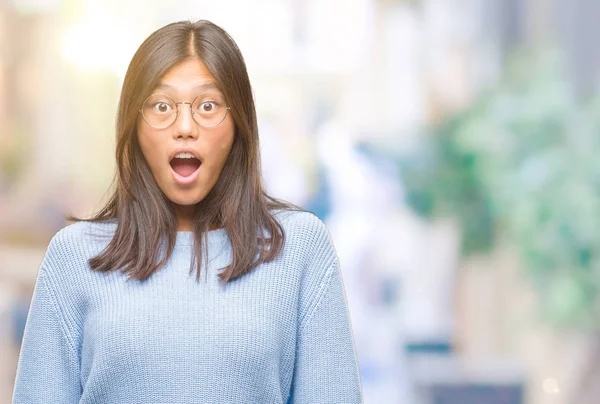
184, 215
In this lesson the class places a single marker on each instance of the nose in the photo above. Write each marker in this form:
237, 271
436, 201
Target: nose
184, 124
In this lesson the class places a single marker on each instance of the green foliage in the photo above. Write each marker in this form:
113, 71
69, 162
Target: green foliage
521, 162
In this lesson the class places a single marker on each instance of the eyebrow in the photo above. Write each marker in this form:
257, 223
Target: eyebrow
211, 85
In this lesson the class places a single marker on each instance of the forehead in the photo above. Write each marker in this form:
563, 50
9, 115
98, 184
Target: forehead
191, 75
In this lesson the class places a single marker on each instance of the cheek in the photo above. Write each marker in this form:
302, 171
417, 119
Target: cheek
149, 149
223, 144
225, 150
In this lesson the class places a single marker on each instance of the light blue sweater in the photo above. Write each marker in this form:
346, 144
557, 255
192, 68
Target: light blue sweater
279, 334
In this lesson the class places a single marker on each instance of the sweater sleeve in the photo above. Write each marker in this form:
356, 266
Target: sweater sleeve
48, 368
326, 367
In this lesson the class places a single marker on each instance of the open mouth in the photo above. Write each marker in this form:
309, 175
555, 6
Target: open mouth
185, 166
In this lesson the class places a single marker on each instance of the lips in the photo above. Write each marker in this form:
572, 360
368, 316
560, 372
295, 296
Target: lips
185, 167
185, 170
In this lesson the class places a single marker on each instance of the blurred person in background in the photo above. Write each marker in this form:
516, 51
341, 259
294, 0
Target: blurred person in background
115, 316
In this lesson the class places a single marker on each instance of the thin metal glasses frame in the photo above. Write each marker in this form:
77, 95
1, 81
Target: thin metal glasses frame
227, 108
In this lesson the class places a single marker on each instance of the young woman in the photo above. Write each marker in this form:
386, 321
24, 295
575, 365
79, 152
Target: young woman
120, 314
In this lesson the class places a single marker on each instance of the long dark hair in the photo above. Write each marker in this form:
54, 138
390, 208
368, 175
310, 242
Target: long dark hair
237, 202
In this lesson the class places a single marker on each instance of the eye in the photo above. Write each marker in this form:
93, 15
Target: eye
208, 106
161, 107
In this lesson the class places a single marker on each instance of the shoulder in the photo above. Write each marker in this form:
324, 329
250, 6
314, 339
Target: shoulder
76, 242
79, 233
301, 224
296, 217
306, 235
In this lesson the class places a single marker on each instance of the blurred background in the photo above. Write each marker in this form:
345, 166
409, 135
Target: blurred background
449, 145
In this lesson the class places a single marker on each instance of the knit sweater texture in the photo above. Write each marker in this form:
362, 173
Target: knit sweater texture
279, 334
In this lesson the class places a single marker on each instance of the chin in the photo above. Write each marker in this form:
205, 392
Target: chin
185, 201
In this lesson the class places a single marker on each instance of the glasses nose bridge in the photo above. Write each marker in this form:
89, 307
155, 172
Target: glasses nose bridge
178, 112
184, 102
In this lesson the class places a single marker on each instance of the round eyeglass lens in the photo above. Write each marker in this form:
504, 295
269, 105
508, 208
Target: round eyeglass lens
209, 109
159, 111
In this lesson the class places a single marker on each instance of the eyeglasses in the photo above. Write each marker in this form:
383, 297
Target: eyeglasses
160, 110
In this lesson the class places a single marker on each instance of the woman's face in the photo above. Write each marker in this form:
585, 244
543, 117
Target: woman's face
184, 82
